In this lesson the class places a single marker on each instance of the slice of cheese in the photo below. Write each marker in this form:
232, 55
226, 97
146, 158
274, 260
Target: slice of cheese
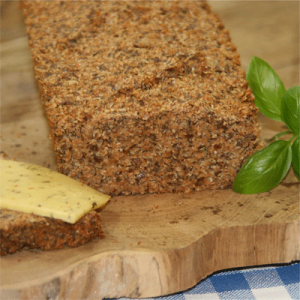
34, 189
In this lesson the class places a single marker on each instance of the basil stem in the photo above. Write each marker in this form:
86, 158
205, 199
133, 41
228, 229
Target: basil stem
278, 135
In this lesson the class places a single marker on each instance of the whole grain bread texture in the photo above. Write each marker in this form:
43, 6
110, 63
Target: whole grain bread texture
20, 230
142, 96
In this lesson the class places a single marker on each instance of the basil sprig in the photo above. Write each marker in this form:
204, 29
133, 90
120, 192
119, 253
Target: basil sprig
266, 168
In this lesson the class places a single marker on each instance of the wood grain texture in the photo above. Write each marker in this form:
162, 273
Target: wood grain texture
155, 244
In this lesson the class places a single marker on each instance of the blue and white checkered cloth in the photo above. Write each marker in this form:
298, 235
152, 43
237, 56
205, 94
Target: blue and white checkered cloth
269, 283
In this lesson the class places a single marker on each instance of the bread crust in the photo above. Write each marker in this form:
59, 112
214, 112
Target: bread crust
22, 230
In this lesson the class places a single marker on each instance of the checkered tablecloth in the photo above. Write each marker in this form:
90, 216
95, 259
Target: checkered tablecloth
268, 283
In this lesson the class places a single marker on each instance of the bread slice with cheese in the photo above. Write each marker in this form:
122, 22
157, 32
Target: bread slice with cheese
19, 230
43, 209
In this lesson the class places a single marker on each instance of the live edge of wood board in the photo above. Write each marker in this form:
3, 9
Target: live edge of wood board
155, 244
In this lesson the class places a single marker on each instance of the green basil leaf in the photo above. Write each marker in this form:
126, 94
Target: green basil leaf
297, 175
296, 157
265, 169
267, 88
291, 109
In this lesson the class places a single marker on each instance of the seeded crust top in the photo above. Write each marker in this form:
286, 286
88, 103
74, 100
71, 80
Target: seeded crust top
131, 58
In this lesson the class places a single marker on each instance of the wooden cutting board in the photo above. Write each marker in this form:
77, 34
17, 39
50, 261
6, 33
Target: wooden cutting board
155, 244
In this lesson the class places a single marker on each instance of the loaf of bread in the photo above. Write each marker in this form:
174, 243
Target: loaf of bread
19, 230
142, 96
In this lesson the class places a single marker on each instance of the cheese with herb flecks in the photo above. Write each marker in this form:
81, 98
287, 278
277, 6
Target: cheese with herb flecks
34, 189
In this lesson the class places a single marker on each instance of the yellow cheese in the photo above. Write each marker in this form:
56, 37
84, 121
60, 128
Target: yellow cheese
34, 189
